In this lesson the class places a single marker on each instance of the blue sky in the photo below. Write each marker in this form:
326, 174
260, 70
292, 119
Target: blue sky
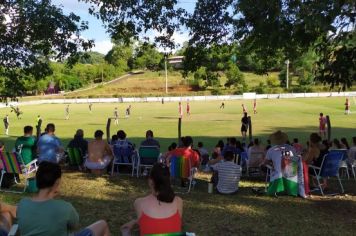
96, 29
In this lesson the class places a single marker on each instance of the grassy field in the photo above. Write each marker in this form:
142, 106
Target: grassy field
111, 198
298, 117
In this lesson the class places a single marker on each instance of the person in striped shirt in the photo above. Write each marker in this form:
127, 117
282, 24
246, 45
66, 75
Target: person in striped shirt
228, 174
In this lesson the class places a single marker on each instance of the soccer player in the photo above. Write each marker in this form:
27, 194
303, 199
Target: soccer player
180, 110
67, 112
188, 108
90, 106
222, 106
244, 126
6, 124
347, 107
128, 111
244, 110
116, 116
38, 126
322, 125
254, 106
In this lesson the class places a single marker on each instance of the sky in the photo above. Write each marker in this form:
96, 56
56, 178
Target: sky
97, 31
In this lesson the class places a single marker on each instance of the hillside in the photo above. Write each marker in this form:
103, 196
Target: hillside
153, 84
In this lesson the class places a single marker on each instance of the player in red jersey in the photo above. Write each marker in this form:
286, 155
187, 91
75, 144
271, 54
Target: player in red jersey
322, 125
254, 106
188, 108
347, 107
180, 110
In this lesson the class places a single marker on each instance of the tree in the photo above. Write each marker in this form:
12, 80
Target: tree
91, 58
148, 57
268, 28
130, 19
31, 33
120, 55
234, 76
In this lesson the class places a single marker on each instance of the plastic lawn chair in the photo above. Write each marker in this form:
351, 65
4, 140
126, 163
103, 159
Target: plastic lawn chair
329, 168
147, 156
180, 168
123, 155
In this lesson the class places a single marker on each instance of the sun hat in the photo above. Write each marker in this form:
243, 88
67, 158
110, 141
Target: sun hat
278, 138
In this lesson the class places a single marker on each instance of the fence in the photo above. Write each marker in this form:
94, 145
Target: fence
177, 99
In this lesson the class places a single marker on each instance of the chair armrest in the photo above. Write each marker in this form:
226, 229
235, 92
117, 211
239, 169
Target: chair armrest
13, 230
314, 167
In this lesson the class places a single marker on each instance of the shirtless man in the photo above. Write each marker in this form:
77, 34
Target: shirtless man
99, 154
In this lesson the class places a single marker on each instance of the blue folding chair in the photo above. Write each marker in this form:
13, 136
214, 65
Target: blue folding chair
124, 155
329, 167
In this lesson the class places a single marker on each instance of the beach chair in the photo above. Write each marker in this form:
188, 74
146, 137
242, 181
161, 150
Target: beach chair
75, 157
343, 164
180, 168
12, 164
330, 167
253, 162
147, 156
124, 155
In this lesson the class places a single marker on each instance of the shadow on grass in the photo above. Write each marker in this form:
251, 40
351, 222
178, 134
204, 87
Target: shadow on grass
111, 198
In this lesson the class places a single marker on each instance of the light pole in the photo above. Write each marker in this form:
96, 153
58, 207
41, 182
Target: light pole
287, 74
165, 67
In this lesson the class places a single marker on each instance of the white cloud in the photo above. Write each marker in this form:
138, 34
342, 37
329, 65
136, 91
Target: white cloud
103, 46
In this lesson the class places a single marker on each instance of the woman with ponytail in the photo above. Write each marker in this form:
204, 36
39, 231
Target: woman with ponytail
161, 211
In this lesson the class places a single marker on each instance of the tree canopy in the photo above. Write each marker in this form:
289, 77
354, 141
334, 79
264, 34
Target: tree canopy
32, 32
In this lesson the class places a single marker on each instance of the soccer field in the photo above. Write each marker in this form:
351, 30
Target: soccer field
207, 123
111, 198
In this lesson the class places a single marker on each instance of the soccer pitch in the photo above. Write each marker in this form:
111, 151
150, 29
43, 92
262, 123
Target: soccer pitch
207, 122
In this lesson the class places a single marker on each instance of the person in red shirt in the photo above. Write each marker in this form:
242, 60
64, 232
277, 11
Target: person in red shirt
187, 151
254, 106
180, 110
347, 107
188, 108
161, 211
322, 125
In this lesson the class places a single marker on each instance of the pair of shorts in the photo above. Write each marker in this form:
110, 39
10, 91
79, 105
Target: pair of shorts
98, 165
85, 232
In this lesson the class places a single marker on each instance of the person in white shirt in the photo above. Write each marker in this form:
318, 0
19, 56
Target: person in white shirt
228, 174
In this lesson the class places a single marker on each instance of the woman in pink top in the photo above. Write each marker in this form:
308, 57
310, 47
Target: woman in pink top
161, 211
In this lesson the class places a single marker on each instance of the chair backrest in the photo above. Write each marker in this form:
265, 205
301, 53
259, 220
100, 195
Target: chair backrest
342, 152
255, 159
330, 164
10, 163
180, 167
122, 152
148, 154
75, 156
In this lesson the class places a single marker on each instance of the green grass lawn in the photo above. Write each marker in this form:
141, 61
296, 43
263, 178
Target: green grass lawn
111, 198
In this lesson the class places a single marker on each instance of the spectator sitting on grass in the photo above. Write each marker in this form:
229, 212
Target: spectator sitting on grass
26, 145
150, 141
161, 211
49, 147
79, 142
7, 215
99, 154
42, 215
227, 175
